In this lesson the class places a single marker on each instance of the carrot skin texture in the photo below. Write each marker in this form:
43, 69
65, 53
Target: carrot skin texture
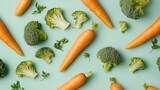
8, 39
94, 6
22, 7
115, 86
148, 34
151, 88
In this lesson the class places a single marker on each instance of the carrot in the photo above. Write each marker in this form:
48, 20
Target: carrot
149, 87
7, 38
114, 85
75, 82
81, 42
22, 7
149, 33
94, 6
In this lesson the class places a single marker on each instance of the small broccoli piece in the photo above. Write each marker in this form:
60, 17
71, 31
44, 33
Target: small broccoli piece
3, 69
158, 63
80, 18
133, 8
110, 57
45, 53
54, 18
136, 64
123, 26
26, 68
33, 33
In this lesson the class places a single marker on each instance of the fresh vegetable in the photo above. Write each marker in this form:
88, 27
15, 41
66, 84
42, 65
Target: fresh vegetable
94, 6
110, 57
83, 40
114, 85
154, 44
158, 63
3, 69
33, 33
45, 53
149, 87
133, 8
8, 39
44, 75
59, 43
80, 17
87, 55
136, 64
151, 32
26, 68
16, 86
39, 8
54, 18
75, 82
123, 26
22, 7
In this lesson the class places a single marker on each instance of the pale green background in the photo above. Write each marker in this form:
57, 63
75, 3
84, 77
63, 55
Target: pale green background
104, 37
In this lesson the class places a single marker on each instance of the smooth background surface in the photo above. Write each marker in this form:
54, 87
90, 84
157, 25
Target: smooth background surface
104, 37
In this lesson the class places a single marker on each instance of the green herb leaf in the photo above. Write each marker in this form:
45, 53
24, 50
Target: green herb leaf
44, 75
16, 86
87, 55
154, 44
39, 8
59, 43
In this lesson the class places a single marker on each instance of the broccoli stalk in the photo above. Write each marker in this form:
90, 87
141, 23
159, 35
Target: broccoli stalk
108, 65
123, 26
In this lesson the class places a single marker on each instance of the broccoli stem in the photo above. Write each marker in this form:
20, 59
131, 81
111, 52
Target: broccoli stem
107, 66
30, 73
135, 67
79, 23
88, 74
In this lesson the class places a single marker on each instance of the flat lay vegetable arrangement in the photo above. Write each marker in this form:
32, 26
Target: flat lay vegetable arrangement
56, 45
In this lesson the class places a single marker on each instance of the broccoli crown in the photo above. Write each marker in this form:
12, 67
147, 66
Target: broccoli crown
136, 64
33, 33
54, 18
123, 26
80, 18
26, 68
133, 8
158, 63
45, 53
3, 69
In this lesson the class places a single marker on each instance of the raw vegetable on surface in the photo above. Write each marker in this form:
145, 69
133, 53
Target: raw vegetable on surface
80, 17
8, 39
109, 57
82, 41
136, 64
22, 7
155, 44
16, 86
39, 8
26, 68
133, 8
59, 43
95, 7
158, 63
149, 87
54, 18
75, 82
123, 26
3, 69
33, 33
148, 34
44, 75
87, 55
114, 85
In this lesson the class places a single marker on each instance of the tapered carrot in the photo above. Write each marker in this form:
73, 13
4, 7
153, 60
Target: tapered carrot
7, 38
114, 85
148, 34
75, 82
81, 42
94, 6
149, 87
22, 7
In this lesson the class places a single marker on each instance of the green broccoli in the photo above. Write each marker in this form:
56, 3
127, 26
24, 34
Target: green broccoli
33, 33
26, 68
80, 18
110, 57
136, 64
3, 69
54, 18
158, 63
45, 53
123, 26
133, 8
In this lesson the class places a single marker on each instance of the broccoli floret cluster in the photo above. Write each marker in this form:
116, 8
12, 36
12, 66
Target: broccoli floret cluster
3, 69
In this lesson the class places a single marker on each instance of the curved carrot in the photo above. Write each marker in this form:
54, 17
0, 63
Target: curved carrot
149, 33
94, 6
75, 82
149, 87
22, 7
81, 42
7, 38
114, 85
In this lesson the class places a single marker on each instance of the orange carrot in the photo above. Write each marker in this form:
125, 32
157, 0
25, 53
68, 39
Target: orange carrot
22, 7
114, 85
149, 87
82, 41
7, 38
148, 34
75, 82
94, 6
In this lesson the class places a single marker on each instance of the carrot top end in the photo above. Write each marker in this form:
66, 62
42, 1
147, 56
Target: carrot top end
89, 74
94, 25
145, 86
112, 80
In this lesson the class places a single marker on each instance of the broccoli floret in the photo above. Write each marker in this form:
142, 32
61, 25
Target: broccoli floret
54, 18
123, 26
110, 57
80, 18
45, 53
3, 69
133, 8
136, 64
26, 68
33, 33
158, 63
